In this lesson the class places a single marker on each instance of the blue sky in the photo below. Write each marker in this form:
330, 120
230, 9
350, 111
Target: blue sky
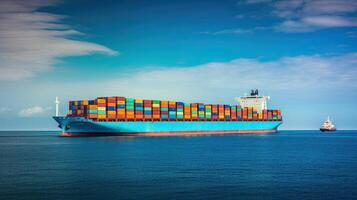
300, 52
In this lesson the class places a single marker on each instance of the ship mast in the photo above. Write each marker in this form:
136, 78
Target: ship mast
57, 102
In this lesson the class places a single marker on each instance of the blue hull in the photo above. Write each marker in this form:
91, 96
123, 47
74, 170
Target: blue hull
78, 126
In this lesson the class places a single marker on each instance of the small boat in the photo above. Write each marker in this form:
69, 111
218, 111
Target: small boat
327, 126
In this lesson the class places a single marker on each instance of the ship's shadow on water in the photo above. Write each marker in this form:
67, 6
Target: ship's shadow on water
283, 165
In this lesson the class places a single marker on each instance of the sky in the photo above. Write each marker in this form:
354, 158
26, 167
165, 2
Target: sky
301, 53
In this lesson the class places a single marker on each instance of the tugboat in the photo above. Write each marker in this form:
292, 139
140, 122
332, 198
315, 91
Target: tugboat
327, 126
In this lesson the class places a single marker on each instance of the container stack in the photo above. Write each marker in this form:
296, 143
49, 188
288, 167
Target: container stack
172, 109
129, 105
245, 113
139, 109
214, 112
102, 107
111, 108
155, 109
194, 111
233, 112
121, 107
92, 110
201, 111
164, 109
208, 111
227, 112
179, 110
220, 111
239, 113
255, 113
147, 109
187, 111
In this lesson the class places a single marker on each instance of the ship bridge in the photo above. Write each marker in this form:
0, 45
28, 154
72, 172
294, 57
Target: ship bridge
254, 100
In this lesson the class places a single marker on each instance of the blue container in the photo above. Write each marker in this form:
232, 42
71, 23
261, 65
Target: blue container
120, 106
139, 108
111, 108
172, 109
147, 112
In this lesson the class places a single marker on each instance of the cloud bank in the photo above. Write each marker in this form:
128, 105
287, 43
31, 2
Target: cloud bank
32, 41
301, 75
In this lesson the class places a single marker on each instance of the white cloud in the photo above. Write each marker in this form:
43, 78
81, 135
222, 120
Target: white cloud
311, 15
217, 80
33, 111
32, 41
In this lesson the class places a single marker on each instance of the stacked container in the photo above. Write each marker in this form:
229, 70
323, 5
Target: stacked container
129, 105
92, 110
215, 112
121, 107
147, 109
164, 110
208, 111
139, 109
172, 109
239, 113
179, 110
194, 111
155, 109
233, 112
102, 107
227, 112
187, 111
201, 111
221, 112
111, 108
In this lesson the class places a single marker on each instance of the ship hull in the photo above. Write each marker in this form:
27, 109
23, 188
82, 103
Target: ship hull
78, 126
327, 130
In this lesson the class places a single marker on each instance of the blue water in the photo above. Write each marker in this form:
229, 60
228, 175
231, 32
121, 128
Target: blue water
286, 165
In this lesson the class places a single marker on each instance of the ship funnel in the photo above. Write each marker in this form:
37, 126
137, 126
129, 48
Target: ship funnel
57, 102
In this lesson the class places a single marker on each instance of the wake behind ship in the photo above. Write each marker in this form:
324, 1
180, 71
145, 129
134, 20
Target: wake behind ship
107, 116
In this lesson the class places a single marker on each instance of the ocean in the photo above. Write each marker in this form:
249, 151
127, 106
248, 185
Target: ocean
283, 165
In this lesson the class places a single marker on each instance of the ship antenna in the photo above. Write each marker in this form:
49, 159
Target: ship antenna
57, 102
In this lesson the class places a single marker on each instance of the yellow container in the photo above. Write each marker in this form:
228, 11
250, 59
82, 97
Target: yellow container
121, 102
102, 116
111, 112
84, 102
111, 104
101, 100
138, 100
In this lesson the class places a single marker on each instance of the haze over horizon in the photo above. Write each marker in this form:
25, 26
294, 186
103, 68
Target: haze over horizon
302, 53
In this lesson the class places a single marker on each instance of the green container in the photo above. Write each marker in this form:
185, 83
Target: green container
164, 109
92, 111
194, 111
155, 101
147, 108
102, 112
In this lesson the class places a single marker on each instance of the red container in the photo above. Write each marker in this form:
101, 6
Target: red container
120, 98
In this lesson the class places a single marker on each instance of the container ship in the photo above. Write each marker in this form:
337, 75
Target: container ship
121, 116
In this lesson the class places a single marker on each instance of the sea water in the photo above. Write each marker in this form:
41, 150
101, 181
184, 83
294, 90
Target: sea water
284, 165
